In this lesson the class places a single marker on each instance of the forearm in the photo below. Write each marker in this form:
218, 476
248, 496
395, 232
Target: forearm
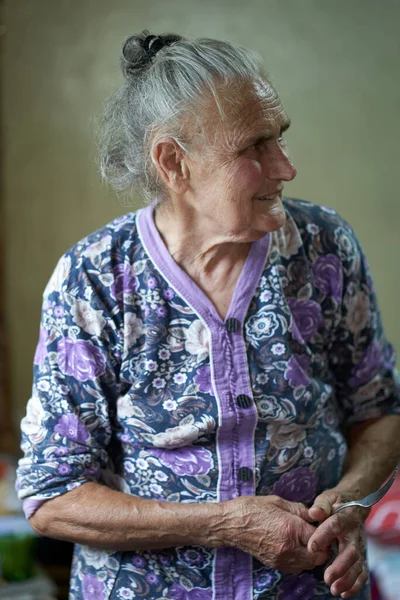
374, 451
97, 516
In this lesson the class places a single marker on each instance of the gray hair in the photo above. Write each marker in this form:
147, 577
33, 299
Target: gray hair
167, 79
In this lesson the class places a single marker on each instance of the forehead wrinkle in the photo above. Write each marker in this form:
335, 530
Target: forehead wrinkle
251, 109
265, 120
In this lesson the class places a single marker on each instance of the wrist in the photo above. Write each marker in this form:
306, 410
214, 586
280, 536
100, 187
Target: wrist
358, 485
237, 519
229, 519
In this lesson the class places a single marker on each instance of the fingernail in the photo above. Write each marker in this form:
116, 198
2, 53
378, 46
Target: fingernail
314, 547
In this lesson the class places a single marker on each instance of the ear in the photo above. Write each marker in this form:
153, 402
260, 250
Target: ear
171, 163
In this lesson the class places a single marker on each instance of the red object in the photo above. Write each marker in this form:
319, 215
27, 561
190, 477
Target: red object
375, 594
3, 469
383, 523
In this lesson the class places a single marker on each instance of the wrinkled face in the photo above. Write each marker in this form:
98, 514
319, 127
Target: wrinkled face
237, 180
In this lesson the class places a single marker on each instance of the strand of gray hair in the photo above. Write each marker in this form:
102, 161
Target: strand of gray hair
164, 100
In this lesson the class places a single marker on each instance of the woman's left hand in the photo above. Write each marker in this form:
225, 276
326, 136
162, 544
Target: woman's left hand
348, 572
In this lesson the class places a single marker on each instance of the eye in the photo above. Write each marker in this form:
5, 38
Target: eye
257, 146
263, 144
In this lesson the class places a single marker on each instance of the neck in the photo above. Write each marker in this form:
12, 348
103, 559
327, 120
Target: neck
195, 245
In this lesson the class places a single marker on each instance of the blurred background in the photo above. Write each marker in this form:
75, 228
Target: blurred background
336, 66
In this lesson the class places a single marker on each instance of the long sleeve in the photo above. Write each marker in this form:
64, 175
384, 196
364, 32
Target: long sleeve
67, 427
362, 359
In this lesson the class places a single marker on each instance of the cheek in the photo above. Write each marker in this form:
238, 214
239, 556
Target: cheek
250, 174
255, 168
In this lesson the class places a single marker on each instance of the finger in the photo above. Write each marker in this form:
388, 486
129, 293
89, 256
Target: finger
295, 564
322, 506
343, 563
296, 508
345, 583
361, 580
305, 531
326, 533
307, 561
301, 531
318, 514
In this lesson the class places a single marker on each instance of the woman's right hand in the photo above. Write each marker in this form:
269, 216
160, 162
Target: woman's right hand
274, 531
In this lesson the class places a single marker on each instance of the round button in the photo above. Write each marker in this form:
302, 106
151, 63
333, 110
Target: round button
244, 401
232, 325
245, 474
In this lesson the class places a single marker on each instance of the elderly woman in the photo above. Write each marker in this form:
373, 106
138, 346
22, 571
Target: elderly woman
211, 376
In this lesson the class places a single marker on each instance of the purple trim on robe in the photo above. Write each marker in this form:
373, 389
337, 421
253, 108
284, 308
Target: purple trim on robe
232, 571
235, 438
30, 506
171, 271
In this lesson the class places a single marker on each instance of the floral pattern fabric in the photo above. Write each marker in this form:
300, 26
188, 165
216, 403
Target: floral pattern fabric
140, 385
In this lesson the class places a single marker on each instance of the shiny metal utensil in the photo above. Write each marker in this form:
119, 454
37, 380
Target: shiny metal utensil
371, 499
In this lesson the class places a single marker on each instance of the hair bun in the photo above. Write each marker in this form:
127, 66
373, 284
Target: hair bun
139, 50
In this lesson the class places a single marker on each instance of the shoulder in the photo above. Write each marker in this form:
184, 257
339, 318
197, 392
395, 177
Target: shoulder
318, 230
94, 260
120, 232
309, 216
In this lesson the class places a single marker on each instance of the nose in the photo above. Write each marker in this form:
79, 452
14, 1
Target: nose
280, 165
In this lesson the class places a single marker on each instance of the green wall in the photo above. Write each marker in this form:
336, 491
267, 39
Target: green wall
334, 62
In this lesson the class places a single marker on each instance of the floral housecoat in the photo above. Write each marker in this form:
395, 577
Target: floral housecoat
139, 384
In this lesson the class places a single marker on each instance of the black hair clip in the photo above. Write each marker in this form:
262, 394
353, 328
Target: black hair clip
152, 44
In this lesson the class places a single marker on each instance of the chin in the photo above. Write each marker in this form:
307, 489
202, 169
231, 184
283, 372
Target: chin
271, 220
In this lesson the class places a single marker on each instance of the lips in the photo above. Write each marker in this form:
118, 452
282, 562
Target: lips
270, 196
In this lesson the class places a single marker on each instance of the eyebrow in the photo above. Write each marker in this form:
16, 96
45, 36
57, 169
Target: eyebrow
265, 138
